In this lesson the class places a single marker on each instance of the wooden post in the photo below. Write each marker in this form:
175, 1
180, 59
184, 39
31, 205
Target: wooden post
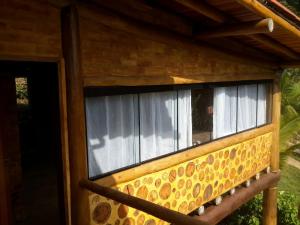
270, 194
75, 107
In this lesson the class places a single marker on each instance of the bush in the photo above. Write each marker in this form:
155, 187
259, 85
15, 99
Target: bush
251, 213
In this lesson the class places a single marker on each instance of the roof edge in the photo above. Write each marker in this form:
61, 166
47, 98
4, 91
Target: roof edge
264, 11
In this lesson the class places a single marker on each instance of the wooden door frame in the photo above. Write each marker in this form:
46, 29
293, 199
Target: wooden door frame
5, 207
5, 204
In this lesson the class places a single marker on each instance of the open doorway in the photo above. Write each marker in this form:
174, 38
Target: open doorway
31, 145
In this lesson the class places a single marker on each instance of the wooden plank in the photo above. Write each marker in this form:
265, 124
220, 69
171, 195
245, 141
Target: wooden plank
112, 46
165, 80
275, 45
169, 161
75, 109
29, 29
204, 9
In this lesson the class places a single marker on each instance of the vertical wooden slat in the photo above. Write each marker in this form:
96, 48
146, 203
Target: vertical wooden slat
75, 106
64, 140
270, 194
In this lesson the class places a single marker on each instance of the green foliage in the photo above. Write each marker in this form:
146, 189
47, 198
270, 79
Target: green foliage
21, 91
287, 209
251, 213
288, 114
288, 132
290, 107
290, 180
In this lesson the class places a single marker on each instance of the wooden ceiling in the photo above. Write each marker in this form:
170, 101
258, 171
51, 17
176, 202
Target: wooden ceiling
189, 17
281, 44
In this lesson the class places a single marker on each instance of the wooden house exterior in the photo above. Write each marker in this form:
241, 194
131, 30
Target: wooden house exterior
134, 51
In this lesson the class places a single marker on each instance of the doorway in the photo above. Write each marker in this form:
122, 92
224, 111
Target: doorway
31, 143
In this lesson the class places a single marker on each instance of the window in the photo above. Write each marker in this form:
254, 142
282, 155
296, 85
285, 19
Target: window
127, 127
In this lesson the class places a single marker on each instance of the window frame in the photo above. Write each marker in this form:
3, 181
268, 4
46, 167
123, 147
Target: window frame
96, 91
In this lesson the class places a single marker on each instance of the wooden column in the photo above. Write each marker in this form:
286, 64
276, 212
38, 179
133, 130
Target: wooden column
75, 107
270, 194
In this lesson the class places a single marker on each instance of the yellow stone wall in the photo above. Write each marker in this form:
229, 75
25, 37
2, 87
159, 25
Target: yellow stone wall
188, 185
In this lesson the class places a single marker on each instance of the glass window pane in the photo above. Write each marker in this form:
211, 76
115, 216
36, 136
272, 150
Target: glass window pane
202, 101
184, 119
247, 102
112, 132
264, 104
225, 111
158, 123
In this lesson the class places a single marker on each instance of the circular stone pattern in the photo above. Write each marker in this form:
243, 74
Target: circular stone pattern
150, 222
172, 175
140, 220
165, 191
190, 169
210, 159
101, 213
180, 171
122, 211
142, 192
129, 221
196, 190
232, 153
207, 192
128, 189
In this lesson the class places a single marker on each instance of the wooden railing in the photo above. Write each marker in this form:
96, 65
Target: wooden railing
213, 215
158, 211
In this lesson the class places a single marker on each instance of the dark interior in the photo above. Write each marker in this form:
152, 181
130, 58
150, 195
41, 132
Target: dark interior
38, 197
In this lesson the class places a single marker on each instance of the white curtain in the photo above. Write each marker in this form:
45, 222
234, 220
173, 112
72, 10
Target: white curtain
262, 104
158, 122
112, 132
247, 100
185, 119
224, 111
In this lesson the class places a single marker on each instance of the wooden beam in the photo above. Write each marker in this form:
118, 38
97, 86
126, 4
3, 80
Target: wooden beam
203, 8
173, 160
239, 29
258, 7
230, 203
217, 16
153, 209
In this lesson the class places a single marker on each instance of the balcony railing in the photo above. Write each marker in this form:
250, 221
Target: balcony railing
214, 213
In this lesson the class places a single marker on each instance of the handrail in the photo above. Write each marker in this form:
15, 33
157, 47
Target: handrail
158, 211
